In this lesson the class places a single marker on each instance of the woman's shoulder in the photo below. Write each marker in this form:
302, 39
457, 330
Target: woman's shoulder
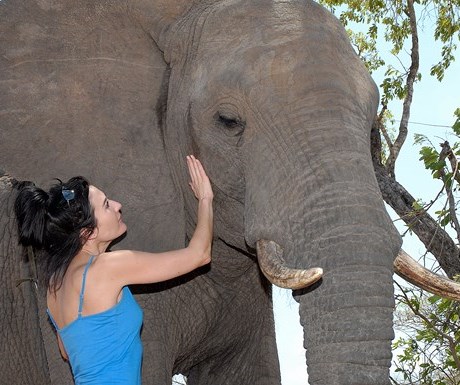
110, 261
108, 257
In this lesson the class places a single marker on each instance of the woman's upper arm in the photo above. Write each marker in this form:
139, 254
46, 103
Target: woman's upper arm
137, 267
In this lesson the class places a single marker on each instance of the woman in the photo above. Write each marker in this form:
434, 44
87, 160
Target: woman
96, 317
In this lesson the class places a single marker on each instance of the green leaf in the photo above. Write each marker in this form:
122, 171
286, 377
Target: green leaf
434, 299
456, 126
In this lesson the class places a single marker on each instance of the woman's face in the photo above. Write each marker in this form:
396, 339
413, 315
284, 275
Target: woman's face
108, 215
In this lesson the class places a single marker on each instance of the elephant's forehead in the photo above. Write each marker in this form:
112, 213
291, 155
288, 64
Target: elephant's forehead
285, 49
288, 65
264, 23
272, 38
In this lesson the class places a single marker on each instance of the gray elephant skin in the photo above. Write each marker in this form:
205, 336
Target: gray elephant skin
272, 98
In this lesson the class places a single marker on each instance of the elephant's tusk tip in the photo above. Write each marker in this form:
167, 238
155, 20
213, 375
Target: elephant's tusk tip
319, 271
296, 279
306, 278
313, 274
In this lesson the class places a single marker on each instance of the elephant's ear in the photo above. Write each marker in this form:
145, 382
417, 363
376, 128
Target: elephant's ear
158, 16
23, 339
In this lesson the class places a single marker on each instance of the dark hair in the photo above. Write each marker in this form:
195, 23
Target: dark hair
50, 223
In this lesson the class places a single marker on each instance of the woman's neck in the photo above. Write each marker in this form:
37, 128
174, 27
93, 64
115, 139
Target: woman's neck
93, 248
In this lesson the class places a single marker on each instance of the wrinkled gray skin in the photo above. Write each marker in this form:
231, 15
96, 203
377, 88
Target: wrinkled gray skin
273, 100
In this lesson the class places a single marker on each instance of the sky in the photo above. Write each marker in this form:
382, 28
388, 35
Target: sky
433, 103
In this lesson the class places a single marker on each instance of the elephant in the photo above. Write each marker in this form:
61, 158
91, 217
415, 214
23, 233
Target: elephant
274, 101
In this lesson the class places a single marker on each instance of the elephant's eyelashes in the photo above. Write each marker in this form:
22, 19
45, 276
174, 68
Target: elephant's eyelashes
233, 126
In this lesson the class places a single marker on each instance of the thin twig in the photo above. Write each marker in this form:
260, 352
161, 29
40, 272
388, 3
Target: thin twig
451, 341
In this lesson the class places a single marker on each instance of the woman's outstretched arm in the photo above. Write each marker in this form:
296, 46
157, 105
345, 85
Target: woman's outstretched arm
125, 267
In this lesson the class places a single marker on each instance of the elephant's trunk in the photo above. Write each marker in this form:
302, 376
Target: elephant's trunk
347, 318
348, 341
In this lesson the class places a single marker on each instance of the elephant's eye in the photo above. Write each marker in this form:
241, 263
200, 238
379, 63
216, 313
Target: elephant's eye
233, 126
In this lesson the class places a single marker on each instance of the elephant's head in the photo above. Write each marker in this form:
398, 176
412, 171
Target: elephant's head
275, 102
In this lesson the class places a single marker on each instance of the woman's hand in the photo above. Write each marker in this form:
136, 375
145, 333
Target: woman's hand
200, 184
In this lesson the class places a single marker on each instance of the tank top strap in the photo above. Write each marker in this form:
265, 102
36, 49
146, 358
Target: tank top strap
82, 292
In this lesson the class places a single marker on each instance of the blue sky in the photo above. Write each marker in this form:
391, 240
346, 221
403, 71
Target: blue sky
434, 103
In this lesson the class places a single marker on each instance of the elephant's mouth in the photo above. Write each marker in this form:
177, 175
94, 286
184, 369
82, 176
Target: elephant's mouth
273, 266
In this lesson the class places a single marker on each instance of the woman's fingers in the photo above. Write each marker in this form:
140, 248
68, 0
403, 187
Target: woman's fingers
192, 169
199, 183
194, 174
200, 169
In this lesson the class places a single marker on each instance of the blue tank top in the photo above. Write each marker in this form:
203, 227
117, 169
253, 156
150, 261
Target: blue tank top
105, 348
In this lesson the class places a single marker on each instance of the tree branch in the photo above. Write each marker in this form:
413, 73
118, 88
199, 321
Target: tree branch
412, 75
446, 149
435, 239
446, 152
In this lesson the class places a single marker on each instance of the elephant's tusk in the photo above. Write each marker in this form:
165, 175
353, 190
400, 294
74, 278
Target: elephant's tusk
409, 269
273, 266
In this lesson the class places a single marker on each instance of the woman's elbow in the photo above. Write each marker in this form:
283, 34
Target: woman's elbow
206, 257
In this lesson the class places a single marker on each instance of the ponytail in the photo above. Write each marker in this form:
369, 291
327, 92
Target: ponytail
57, 223
31, 213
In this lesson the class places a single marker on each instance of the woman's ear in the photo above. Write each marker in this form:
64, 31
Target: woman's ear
88, 234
